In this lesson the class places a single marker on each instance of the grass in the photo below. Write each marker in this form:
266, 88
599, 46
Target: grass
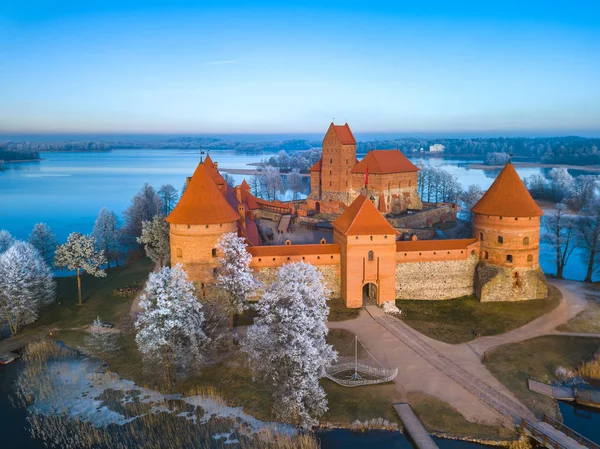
97, 296
587, 321
459, 320
538, 359
339, 312
438, 416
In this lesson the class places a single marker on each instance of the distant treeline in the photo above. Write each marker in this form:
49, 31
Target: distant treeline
17, 155
551, 150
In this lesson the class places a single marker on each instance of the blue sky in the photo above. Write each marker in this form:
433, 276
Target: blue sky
287, 66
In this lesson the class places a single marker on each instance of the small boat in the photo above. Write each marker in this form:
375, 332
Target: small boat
7, 357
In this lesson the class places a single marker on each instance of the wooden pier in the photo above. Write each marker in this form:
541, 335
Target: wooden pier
414, 428
555, 435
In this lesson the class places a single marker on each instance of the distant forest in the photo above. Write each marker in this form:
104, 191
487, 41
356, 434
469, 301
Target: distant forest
550, 150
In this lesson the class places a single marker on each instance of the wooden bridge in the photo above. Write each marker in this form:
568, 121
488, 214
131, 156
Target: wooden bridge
415, 429
555, 435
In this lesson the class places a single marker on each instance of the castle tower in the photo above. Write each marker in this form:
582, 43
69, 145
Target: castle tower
506, 221
339, 156
368, 254
199, 219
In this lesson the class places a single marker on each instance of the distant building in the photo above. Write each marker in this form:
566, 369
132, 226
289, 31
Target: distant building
437, 148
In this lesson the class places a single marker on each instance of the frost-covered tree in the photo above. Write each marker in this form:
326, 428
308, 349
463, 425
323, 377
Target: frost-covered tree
536, 184
561, 183
43, 239
106, 234
588, 236
79, 253
170, 325
6, 240
230, 180
235, 276
583, 192
295, 180
26, 284
155, 238
168, 194
497, 158
271, 183
469, 198
560, 230
286, 345
144, 206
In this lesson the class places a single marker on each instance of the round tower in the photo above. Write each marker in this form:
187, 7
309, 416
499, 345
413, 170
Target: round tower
506, 221
196, 224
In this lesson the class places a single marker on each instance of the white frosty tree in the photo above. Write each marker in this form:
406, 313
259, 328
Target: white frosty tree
79, 253
6, 240
43, 239
170, 326
106, 235
155, 238
469, 198
25, 285
286, 345
144, 206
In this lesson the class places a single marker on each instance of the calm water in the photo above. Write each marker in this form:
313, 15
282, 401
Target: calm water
67, 190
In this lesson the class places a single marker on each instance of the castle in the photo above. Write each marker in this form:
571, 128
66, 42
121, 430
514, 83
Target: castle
365, 260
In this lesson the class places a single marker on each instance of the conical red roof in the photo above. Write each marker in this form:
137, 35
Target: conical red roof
362, 218
202, 202
508, 197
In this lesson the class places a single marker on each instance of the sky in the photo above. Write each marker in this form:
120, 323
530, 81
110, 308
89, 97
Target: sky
294, 66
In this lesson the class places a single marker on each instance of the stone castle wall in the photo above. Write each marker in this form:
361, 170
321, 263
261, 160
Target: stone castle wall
494, 283
426, 218
331, 276
436, 280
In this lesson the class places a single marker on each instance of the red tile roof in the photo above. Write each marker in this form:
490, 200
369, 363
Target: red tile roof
202, 202
317, 166
294, 250
344, 134
433, 245
508, 197
362, 218
385, 161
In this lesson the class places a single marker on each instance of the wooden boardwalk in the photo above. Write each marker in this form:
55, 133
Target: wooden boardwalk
414, 427
555, 435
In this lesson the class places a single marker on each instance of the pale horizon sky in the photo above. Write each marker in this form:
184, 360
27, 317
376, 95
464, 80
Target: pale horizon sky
224, 67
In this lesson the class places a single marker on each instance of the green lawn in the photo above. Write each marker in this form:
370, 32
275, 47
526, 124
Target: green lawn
538, 359
459, 320
438, 416
339, 312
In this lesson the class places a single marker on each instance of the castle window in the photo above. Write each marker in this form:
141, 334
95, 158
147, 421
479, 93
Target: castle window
419, 254
500, 239
481, 236
260, 260
357, 237
486, 255
331, 257
329, 171
329, 186
409, 183
385, 236
331, 161
318, 257
472, 252
405, 254
516, 218
346, 162
448, 252
214, 252
206, 226
525, 240
529, 258
188, 226
434, 253
215, 272
179, 252
288, 258
273, 259
371, 238
371, 256
509, 258
500, 218
303, 257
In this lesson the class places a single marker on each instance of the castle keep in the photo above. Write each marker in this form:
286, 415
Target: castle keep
369, 202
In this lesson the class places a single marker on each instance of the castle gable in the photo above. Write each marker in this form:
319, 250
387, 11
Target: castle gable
362, 218
342, 134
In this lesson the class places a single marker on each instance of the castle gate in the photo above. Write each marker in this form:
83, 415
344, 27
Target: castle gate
369, 294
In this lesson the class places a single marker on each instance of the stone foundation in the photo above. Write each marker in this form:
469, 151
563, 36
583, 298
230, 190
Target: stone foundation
495, 283
436, 280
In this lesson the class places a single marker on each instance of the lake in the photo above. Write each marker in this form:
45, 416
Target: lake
67, 189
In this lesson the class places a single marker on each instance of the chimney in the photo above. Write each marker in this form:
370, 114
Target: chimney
242, 212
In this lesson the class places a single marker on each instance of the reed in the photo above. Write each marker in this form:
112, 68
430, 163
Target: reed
590, 369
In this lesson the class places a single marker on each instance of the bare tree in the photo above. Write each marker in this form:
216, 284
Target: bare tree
560, 230
469, 198
295, 180
168, 195
272, 183
144, 206
588, 236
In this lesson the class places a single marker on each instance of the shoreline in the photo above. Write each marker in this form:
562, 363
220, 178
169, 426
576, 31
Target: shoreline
250, 171
590, 168
21, 160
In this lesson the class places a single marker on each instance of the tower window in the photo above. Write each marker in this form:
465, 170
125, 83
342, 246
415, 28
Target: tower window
214, 252
331, 161
346, 161
329, 183
500, 239
529, 258
525, 240
481, 236
486, 255
215, 272
371, 256
509, 258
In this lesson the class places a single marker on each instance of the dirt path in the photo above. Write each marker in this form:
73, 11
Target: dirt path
455, 373
15, 343
573, 302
